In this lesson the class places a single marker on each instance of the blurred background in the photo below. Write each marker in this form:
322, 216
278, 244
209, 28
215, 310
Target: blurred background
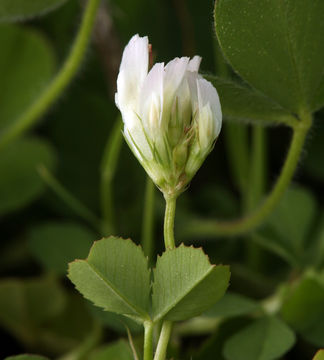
51, 186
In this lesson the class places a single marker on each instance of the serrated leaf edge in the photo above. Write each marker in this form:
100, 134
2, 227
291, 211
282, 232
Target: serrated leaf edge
212, 267
140, 312
119, 238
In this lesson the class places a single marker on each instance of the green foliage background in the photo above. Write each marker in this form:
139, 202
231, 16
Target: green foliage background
50, 217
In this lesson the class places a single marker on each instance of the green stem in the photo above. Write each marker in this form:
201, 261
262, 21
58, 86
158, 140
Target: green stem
257, 167
59, 83
108, 170
148, 219
169, 222
68, 198
162, 346
148, 340
211, 228
170, 207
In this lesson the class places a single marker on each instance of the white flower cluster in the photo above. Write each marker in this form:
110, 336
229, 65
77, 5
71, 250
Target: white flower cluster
172, 116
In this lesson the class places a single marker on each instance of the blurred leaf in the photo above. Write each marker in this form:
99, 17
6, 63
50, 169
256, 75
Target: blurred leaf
212, 348
118, 323
17, 10
265, 339
186, 284
55, 244
26, 305
276, 48
304, 311
26, 357
82, 351
69, 329
319, 355
26, 66
294, 215
14, 254
115, 277
215, 200
288, 227
119, 350
84, 119
19, 181
231, 305
240, 102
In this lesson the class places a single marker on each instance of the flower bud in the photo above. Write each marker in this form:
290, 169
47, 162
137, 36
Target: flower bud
172, 116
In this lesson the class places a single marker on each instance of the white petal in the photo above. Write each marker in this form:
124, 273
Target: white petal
151, 99
192, 78
183, 103
194, 64
207, 95
173, 75
133, 130
116, 100
206, 128
132, 72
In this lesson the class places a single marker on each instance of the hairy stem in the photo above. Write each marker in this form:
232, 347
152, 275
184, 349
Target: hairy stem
169, 222
59, 83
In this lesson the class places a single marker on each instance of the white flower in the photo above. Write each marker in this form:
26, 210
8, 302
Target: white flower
172, 116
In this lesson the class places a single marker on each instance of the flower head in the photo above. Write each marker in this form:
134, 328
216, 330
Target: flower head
172, 116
